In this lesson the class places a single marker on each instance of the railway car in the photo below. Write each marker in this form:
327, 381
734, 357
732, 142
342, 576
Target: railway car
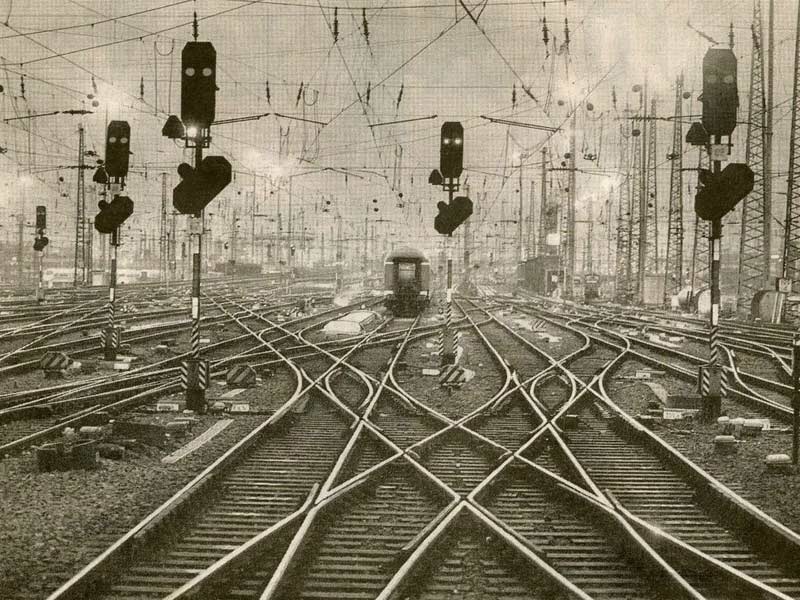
407, 281
540, 275
591, 288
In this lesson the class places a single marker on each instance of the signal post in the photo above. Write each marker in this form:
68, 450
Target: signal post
198, 186
112, 215
39, 244
719, 191
451, 214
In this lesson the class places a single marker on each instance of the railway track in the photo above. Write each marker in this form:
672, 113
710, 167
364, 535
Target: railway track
356, 488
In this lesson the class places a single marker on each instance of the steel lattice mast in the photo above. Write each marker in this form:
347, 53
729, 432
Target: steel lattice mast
80, 263
673, 273
791, 240
650, 204
753, 246
622, 274
569, 275
547, 221
701, 260
635, 203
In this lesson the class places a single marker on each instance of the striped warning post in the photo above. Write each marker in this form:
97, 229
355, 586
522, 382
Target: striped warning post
705, 382
184, 375
194, 374
723, 383
451, 375
538, 325
54, 361
195, 337
111, 308
203, 373
241, 376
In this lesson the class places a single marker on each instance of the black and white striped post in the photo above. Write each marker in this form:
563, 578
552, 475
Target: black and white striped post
714, 402
196, 383
111, 336
711, 373
448, 347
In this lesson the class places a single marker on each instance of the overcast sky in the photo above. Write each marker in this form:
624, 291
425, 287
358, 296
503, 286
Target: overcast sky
447, 65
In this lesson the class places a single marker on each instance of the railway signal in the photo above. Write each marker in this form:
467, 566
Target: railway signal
113, 214
719, 193
198, 86
452, 215
41, 219
200, 186
451, 152
720, 93
117, 148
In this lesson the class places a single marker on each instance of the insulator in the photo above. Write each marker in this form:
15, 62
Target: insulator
335, 25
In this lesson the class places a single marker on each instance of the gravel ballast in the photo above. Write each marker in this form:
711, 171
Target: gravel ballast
745, 472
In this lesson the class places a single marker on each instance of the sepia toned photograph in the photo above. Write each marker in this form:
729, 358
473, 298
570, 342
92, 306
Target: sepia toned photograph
399, 300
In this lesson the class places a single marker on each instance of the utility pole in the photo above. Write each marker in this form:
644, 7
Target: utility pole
638, 198
673, 273
467, 245
643, 241
20, 247
768, 135
791, 241
651, 198
163, 249
754, 246
545, 221
253, 222
89, 252
531, 248
520, 219
569, 276
291, 235
79, 264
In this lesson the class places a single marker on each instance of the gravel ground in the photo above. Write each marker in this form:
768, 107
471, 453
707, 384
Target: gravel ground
745, 472
457, 402
568, 342
52, 524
